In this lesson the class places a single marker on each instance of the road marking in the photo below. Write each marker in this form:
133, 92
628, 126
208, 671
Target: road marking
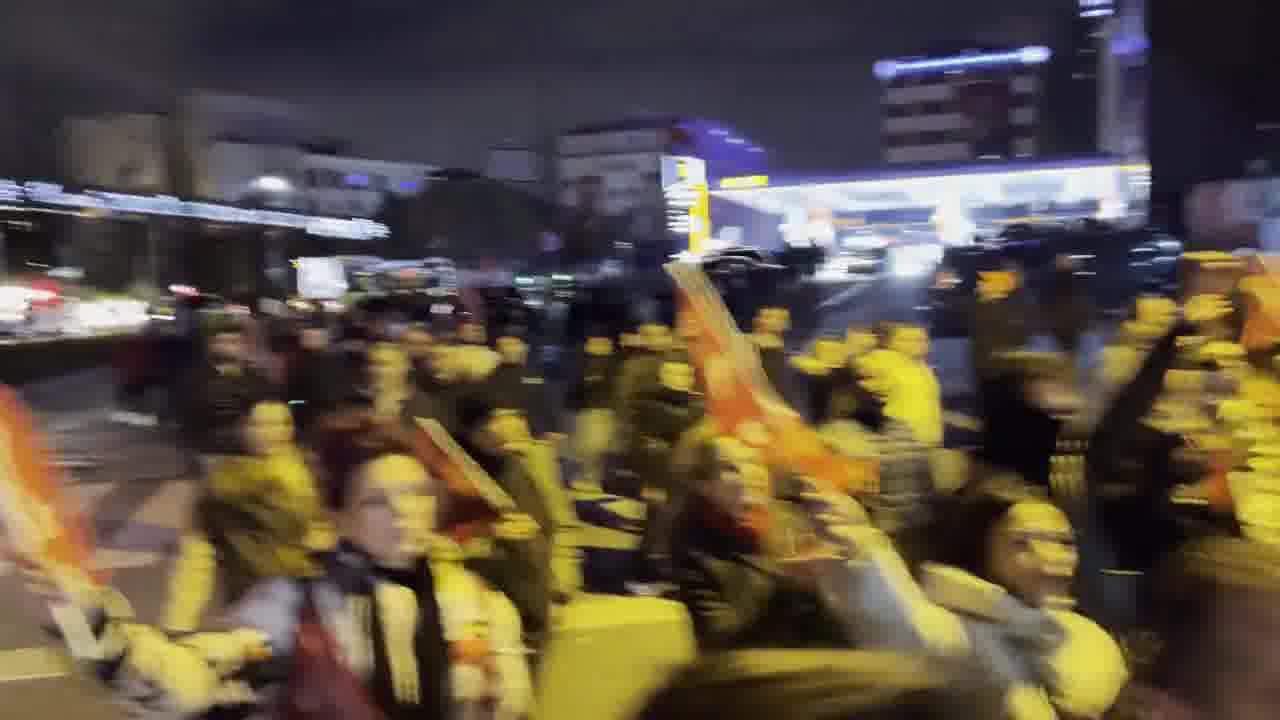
36, 663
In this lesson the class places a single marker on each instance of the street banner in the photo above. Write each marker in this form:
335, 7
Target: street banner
45, 529
741, 400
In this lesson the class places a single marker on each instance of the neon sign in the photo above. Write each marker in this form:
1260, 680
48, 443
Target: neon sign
745, 181
684, 185
45, 193
1033, 55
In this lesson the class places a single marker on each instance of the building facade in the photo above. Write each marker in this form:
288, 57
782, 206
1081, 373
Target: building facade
357, 187
124, 152
973, 106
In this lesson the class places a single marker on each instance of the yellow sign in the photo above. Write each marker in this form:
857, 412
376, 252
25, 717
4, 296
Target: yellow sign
743, 182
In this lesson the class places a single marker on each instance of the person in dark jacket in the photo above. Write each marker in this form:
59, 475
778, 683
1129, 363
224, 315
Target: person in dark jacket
1002, 325
1133, 465
727, 540
220, 391
318, 377
828, 379
421, 346
768, 335
1068, 304
515, 385
592, 399
662, 416
534, 559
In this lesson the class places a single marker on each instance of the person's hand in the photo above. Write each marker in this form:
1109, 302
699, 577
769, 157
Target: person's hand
1206, 307
515, 527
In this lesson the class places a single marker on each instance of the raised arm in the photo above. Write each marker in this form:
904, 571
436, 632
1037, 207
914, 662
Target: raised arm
869, 586
185, 677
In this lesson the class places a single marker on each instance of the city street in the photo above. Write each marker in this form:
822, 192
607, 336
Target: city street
131, 481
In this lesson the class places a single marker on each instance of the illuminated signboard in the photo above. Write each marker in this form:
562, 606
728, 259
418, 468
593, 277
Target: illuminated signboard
684, 185
1097, 8
745, 181
43, 193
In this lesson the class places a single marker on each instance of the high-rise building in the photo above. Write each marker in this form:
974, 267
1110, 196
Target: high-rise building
971, 106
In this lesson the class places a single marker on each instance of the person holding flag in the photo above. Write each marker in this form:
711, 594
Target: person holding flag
385, 630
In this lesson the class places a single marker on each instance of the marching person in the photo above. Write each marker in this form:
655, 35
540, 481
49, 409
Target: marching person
380, 631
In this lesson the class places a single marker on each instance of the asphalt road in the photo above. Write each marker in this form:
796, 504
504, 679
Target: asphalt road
131, 482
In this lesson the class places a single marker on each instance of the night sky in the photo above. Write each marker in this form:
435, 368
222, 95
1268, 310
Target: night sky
441, 80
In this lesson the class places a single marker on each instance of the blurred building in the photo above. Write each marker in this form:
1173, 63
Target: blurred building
1213, 114
127, 152
977, 105
258, 185
266, 153
610, 175
517, 164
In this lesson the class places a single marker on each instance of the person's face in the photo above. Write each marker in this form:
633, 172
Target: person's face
1264, 394
388, 365
859, 341
1032, 554
829, 352
742, 485
226, 347
472, 333
314, 339
876, 376
1056, 396
655, 337
391, 511
997, 284
1154, 314
513, 350
912, 342
446, 363
269, 428
507, 427
419, 344
677, 376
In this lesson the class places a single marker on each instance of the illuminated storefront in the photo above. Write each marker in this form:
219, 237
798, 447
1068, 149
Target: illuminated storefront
944, 207
124, 241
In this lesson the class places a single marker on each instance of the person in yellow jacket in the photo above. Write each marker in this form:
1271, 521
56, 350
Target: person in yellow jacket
260, 517
918, 400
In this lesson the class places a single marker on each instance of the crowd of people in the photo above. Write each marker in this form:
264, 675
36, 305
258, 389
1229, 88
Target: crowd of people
1105, 551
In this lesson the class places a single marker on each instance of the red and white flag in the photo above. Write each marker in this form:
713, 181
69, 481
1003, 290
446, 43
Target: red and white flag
741, 400
1261, 288
45, 529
